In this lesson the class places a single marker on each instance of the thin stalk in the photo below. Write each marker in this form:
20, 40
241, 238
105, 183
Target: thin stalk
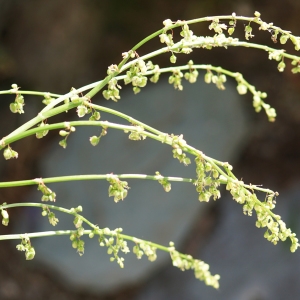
33, 93
68, 232
9, 140
126, 117
39, 118
90, 177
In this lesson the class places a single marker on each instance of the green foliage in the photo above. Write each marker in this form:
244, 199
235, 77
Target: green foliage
210, 173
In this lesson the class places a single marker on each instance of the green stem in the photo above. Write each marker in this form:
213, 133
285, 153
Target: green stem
90, 177
47, 113
162, 138
126, 117
123, 67
9, 140
34, 93
39, 118
38, 234
68, 232
85, 232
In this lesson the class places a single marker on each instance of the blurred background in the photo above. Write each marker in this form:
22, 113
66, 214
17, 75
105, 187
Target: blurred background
55, 45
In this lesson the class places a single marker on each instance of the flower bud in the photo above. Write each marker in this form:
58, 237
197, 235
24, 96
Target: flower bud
7, 153
4, 214
20, 99
81, 111
30, 253
63, 143
96, 115
173, 59
94, 140
241, 88
77, 221
230, 30
75, 244
13, 107
284, 38
208, 77
281, 66
257, 14
167, 22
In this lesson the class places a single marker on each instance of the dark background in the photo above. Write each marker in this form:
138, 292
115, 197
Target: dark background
55, 45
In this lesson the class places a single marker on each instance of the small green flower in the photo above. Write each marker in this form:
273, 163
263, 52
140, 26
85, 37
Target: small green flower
173, 59
94, 140
242, 89
81, 111
30, 253
63, 143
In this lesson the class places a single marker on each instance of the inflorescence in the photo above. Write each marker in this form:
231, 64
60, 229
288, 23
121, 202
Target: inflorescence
210, 173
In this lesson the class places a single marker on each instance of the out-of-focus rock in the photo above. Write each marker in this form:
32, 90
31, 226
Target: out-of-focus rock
249, 265
210, 120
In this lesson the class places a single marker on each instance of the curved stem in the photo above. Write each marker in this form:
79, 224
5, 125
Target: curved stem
69, 232
9, 140
39, 118
126, 117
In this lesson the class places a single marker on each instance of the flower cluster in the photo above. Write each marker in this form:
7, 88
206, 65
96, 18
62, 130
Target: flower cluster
190, 40
43, 133
201, 269
276, 228
278, 56
136, 75
137, 135
47, 99
25, 245
51, 216
5, 216
285, 35
163, 181
167, 38
156, 71
179, 144
75, 236
192, 75
207, 182
175, 79
143, 248
48, 194
217, 26
117, 189
296, 69
218, 79
248, 32
114, 243
74, 97
232, 24
9, 153
113, 90
94, 140
258, 104
18, 104
77, 243
65, 133
95, 115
